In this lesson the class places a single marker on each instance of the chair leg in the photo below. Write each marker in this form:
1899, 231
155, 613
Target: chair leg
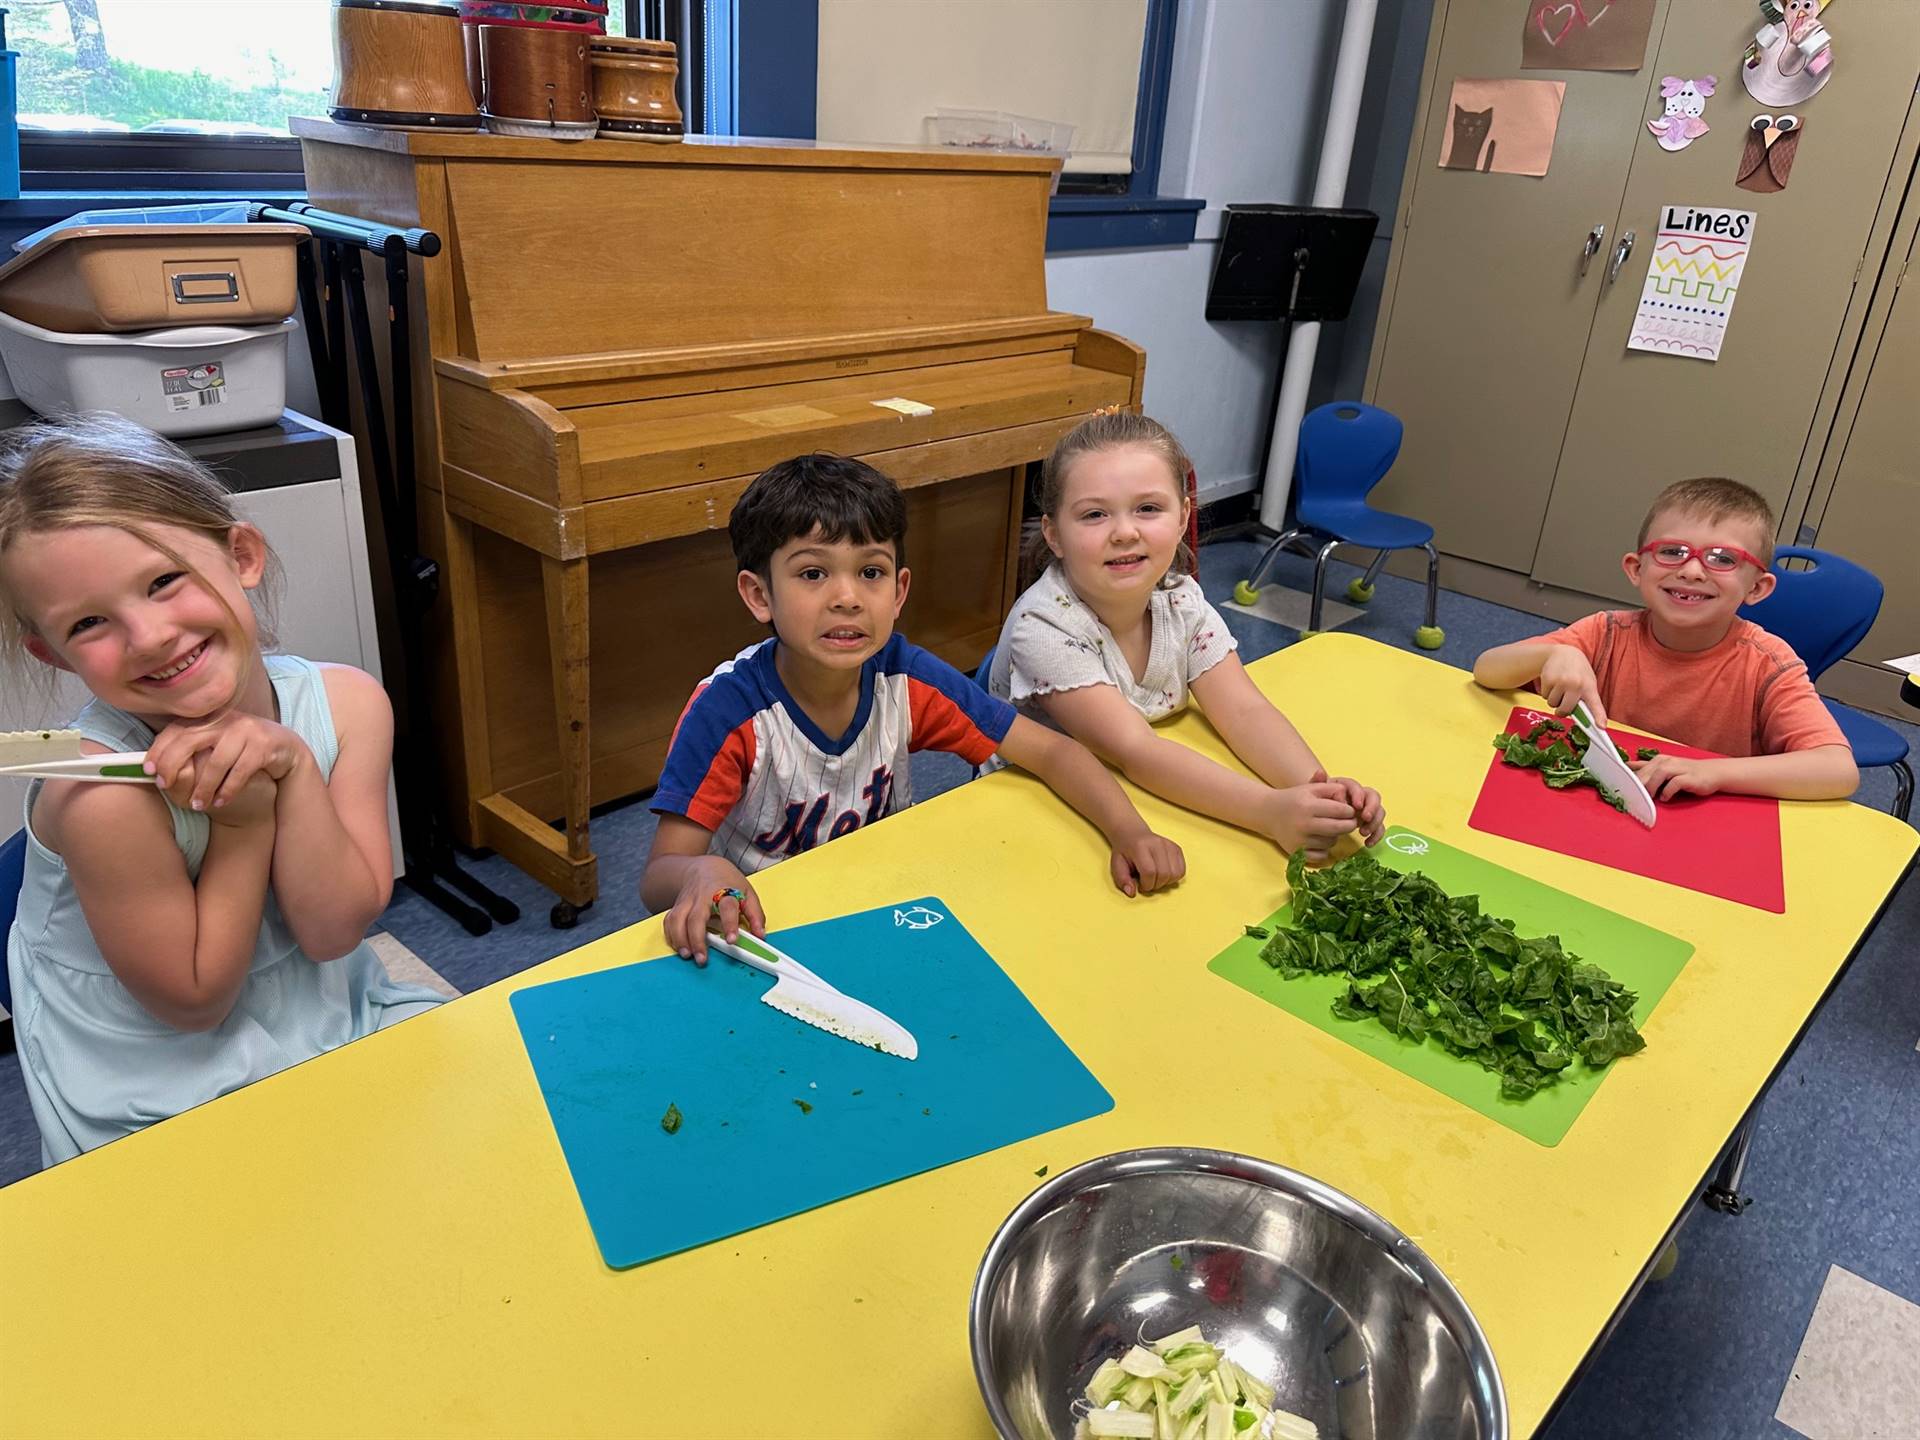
1269, 555
1430, 636
1320, 584
1902, 789
1378, 564
1247, 591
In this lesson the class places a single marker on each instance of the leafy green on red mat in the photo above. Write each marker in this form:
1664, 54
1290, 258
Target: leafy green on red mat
1645, 752
1557, 750
1425, 963
670, 1122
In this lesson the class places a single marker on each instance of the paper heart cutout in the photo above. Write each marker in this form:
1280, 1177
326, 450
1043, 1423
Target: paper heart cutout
1547, 12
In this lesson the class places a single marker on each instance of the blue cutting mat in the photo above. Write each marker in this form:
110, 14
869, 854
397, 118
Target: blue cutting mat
614, 1049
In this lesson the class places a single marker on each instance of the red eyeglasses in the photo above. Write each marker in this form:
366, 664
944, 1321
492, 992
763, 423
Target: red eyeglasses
1724, 559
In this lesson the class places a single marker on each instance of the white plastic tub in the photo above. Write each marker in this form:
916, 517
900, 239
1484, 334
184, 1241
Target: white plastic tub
189, 381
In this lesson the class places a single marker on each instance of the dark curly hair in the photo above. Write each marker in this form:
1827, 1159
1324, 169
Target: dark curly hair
826, 495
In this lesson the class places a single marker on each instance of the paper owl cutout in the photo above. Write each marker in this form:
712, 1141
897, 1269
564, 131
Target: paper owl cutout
1768, 158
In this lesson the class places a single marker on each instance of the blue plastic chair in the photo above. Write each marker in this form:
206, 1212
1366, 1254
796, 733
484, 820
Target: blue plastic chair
1346, 448
13, 860
1823, 612
986, 667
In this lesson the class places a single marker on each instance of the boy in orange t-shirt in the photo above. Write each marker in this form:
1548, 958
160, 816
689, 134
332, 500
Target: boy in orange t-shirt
1687, 666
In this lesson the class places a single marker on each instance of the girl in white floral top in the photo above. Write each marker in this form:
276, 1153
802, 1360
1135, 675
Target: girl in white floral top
1115, 634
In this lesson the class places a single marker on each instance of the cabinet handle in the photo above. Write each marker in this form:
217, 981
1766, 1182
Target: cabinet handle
1596, 237
1620, 254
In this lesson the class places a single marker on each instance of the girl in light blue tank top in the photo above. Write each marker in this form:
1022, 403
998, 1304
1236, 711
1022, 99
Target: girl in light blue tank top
176, 942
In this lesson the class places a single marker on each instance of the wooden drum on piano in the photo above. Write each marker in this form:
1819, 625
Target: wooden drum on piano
401, 64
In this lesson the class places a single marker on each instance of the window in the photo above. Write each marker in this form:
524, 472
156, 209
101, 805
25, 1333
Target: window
182, 67
878, 70
173, 94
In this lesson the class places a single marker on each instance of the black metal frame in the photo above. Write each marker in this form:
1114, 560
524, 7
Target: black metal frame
334, 310
159, 163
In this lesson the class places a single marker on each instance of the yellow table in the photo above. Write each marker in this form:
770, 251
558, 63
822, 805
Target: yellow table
386, 1241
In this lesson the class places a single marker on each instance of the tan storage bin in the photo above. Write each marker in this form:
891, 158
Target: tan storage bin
146, 277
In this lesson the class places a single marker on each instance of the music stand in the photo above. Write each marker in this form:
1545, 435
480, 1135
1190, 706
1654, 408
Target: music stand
1289, 262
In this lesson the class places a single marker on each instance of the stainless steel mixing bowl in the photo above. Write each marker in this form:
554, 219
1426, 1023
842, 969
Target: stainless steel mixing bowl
1310, 1291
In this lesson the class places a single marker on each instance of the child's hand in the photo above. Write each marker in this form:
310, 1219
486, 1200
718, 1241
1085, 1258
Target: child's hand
1144, 862
1566, 679
253, 806
695, 908
1370, 814
223, 753
1309, 818
1670, 776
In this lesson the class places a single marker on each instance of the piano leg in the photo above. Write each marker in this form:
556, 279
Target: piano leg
565, 585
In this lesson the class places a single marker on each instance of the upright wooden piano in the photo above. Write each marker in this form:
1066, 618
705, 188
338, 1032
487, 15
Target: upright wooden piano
615, 339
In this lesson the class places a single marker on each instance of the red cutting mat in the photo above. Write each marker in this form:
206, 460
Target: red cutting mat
1724, 845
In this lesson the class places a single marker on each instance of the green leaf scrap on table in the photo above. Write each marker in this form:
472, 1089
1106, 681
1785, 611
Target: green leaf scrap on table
1557, 750
1425, 963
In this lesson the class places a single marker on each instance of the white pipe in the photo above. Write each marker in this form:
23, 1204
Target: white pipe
1329, 192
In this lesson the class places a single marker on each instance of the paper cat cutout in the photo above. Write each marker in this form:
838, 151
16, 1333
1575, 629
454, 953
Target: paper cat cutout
1768, 158
1791, 57
1686, 100
1470, 131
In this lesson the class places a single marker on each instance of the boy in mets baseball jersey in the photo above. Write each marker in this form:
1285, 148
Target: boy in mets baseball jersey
805, 736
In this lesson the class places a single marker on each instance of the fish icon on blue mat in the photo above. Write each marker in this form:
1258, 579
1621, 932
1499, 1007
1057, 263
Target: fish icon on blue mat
918, 917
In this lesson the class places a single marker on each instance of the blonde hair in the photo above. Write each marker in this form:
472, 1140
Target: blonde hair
1106, 430
100, 469
1717, 499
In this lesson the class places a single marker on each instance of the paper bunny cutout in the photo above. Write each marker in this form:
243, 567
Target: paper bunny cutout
1686, 100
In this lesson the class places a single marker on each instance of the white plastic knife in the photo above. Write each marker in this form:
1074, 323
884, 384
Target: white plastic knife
798, 992
55, 755
1616, 777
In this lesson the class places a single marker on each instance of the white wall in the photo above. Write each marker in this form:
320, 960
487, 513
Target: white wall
1212, 384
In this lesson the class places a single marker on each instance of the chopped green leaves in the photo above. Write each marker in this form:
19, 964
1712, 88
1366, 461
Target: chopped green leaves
670, 1122
805, 1108
1557, 750
1427, 964
1645, 752
1258, 932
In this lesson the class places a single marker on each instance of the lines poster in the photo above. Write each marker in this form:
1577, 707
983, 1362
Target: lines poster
1692, 281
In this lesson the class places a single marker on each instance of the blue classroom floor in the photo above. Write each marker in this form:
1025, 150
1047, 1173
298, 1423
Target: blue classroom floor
1705, 1354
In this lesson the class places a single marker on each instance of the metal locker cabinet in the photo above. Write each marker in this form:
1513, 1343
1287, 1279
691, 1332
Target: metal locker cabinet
1642, 420
1485, 319
1872, 513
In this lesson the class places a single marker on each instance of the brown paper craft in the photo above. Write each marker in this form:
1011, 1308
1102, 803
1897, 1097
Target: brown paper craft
1585, 34
1768, 158
1502, 125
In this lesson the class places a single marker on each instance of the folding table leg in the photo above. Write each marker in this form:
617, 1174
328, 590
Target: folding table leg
1723, 1191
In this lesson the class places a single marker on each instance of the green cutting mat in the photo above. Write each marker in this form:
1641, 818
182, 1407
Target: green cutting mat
1643, 959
